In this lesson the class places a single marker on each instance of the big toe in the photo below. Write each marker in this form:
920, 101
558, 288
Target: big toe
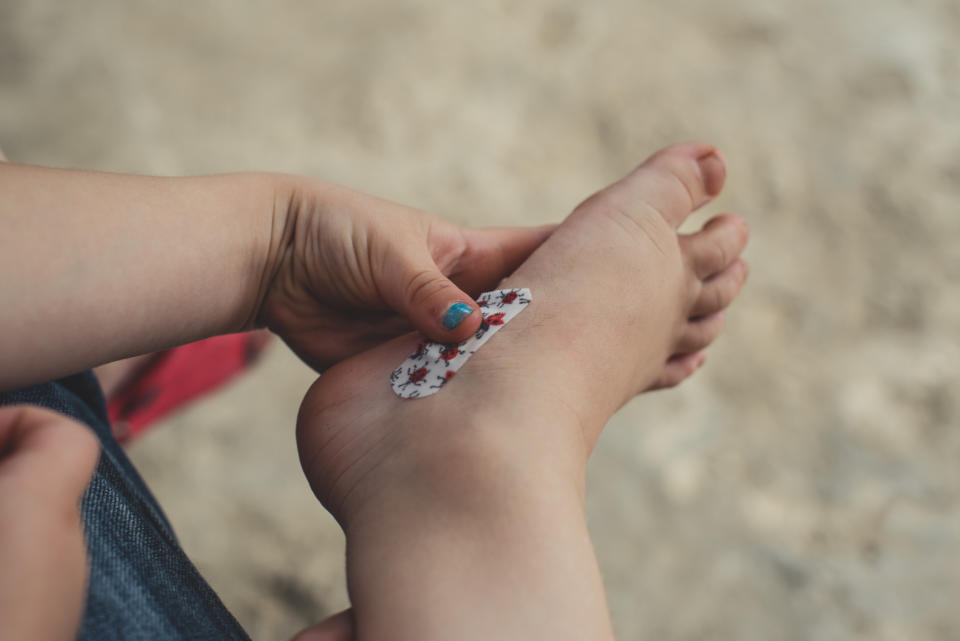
674, 181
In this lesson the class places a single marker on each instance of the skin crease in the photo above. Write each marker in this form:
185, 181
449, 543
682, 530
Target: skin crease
446, 529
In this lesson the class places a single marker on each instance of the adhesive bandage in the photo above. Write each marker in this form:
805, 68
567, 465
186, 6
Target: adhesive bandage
434, 364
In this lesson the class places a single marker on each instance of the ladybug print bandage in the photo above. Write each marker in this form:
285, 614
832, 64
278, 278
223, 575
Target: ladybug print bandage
433, 364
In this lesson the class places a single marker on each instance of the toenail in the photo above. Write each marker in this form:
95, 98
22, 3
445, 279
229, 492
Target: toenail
456, 313
712, 172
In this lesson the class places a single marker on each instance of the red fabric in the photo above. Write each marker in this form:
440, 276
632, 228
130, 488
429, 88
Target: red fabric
175, 377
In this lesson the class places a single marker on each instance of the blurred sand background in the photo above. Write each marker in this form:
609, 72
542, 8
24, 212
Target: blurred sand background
804, 486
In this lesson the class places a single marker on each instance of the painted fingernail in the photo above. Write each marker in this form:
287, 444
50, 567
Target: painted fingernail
456, 313
712, 171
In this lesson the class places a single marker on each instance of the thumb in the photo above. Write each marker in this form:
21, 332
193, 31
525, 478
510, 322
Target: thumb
430, 300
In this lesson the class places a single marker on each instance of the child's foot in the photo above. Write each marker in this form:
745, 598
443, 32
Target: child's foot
621, 304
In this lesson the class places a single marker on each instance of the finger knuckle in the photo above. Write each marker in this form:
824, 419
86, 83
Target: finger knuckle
424, 285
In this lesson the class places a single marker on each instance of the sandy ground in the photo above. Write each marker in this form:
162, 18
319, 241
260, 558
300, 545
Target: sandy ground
805, 486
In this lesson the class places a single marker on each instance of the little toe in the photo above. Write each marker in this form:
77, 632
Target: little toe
699, 333
674, 181
678, 369
716, 246
720, 289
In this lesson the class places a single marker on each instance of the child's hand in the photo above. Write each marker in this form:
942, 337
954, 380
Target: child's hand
45, 464
99, 267
350, 271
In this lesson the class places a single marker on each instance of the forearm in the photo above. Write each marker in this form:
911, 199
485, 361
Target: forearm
99, 266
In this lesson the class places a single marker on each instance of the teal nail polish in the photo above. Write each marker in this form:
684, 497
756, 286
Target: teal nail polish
456, 313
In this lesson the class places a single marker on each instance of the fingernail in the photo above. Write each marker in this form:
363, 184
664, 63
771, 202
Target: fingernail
456, 313
712, 171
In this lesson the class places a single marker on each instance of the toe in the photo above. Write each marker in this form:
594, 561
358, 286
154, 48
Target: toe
717, 245
675, 181
699, 333
720, 290
679, 369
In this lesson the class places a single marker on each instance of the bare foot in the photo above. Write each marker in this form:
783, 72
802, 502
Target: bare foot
464, 510
621, 303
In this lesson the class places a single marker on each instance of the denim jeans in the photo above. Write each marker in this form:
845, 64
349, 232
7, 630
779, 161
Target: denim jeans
142, 585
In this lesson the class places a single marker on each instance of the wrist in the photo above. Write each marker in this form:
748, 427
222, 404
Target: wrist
281, 297
472, 525
240, 235
271, 245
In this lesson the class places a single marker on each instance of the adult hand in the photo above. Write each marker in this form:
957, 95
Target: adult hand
349, 271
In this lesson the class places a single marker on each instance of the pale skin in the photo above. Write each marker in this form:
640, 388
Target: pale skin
463, 511
141, 263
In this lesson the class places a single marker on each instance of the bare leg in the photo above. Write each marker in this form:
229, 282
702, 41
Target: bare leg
464, 510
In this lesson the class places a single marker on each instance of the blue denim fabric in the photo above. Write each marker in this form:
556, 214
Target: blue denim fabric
142, 585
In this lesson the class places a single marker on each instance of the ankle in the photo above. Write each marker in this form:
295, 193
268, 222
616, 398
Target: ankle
470, 526
469, 457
